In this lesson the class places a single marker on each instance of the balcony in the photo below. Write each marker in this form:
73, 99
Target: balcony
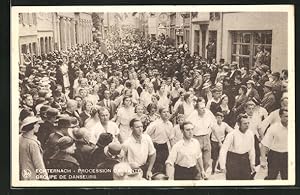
202, 17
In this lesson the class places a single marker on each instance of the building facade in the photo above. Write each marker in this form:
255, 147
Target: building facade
237, 36
41, 33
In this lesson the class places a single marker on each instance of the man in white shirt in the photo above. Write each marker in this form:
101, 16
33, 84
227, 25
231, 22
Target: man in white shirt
147, 94
237, 154
161, 134
275, 145
107, 126
185, 159
139, 148
203, 120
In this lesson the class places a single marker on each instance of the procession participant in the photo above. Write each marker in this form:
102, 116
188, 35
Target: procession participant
139, 148
124, 115
177, 133
185, 158
186, 108
108, 126
273, 116
237, 154
30, 151
251, 91
275, 146
219, 130
152, 114
160, 132
203, 120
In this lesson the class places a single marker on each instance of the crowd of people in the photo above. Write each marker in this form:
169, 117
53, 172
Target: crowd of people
129, 107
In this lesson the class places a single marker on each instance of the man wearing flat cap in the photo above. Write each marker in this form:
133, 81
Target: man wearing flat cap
268, 101
47, 127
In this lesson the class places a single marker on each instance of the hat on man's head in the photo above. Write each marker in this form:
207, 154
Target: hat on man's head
27, 121
44, 109
64, 122
268, 84
113, 150
277, 74
65, 142
104, 139
51, 112
264, 68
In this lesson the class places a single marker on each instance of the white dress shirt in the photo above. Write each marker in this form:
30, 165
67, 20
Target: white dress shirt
138, 151
160, 131
271, 119
276, 138
202, 124
185, 153
240, 143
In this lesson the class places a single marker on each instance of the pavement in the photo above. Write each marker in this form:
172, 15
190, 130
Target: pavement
260, 174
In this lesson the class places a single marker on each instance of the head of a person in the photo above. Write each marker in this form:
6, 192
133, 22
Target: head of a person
283, 113
83, 82
243, 122
87, 106
155, 98
250, 84
28, 100
128, 92
52, 114
136, 126
139, 109
200, 107
187, 129
180, 119
219, 117
71, 105
104, 139
103, 115
267, 87
150, 88
243, 90
107, 94
164, 113
284, 103
250, 106
216, 93
78, 100
83, 92
152, 108
66, 144
224, 99
26, 112
188, 97
30, 124
276, 76
127, 101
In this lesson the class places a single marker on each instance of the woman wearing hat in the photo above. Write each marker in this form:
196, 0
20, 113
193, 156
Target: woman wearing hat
30, 152
63, 159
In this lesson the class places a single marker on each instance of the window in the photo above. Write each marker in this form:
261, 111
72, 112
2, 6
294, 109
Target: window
214, 16
251, 47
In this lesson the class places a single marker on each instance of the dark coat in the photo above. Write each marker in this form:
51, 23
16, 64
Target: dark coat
97, 157
83, 153
268, 102
51, 145
83, 117
46, 128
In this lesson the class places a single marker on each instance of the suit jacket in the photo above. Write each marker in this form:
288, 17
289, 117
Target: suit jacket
112, 107
268, 102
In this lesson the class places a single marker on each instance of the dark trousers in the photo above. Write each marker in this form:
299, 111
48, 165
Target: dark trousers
238, 166
184, 173
162, 153
277, 163
257, 151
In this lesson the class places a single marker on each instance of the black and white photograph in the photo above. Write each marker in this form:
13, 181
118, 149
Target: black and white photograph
128, 95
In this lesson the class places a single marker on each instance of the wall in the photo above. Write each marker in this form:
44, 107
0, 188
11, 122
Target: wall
277, 22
